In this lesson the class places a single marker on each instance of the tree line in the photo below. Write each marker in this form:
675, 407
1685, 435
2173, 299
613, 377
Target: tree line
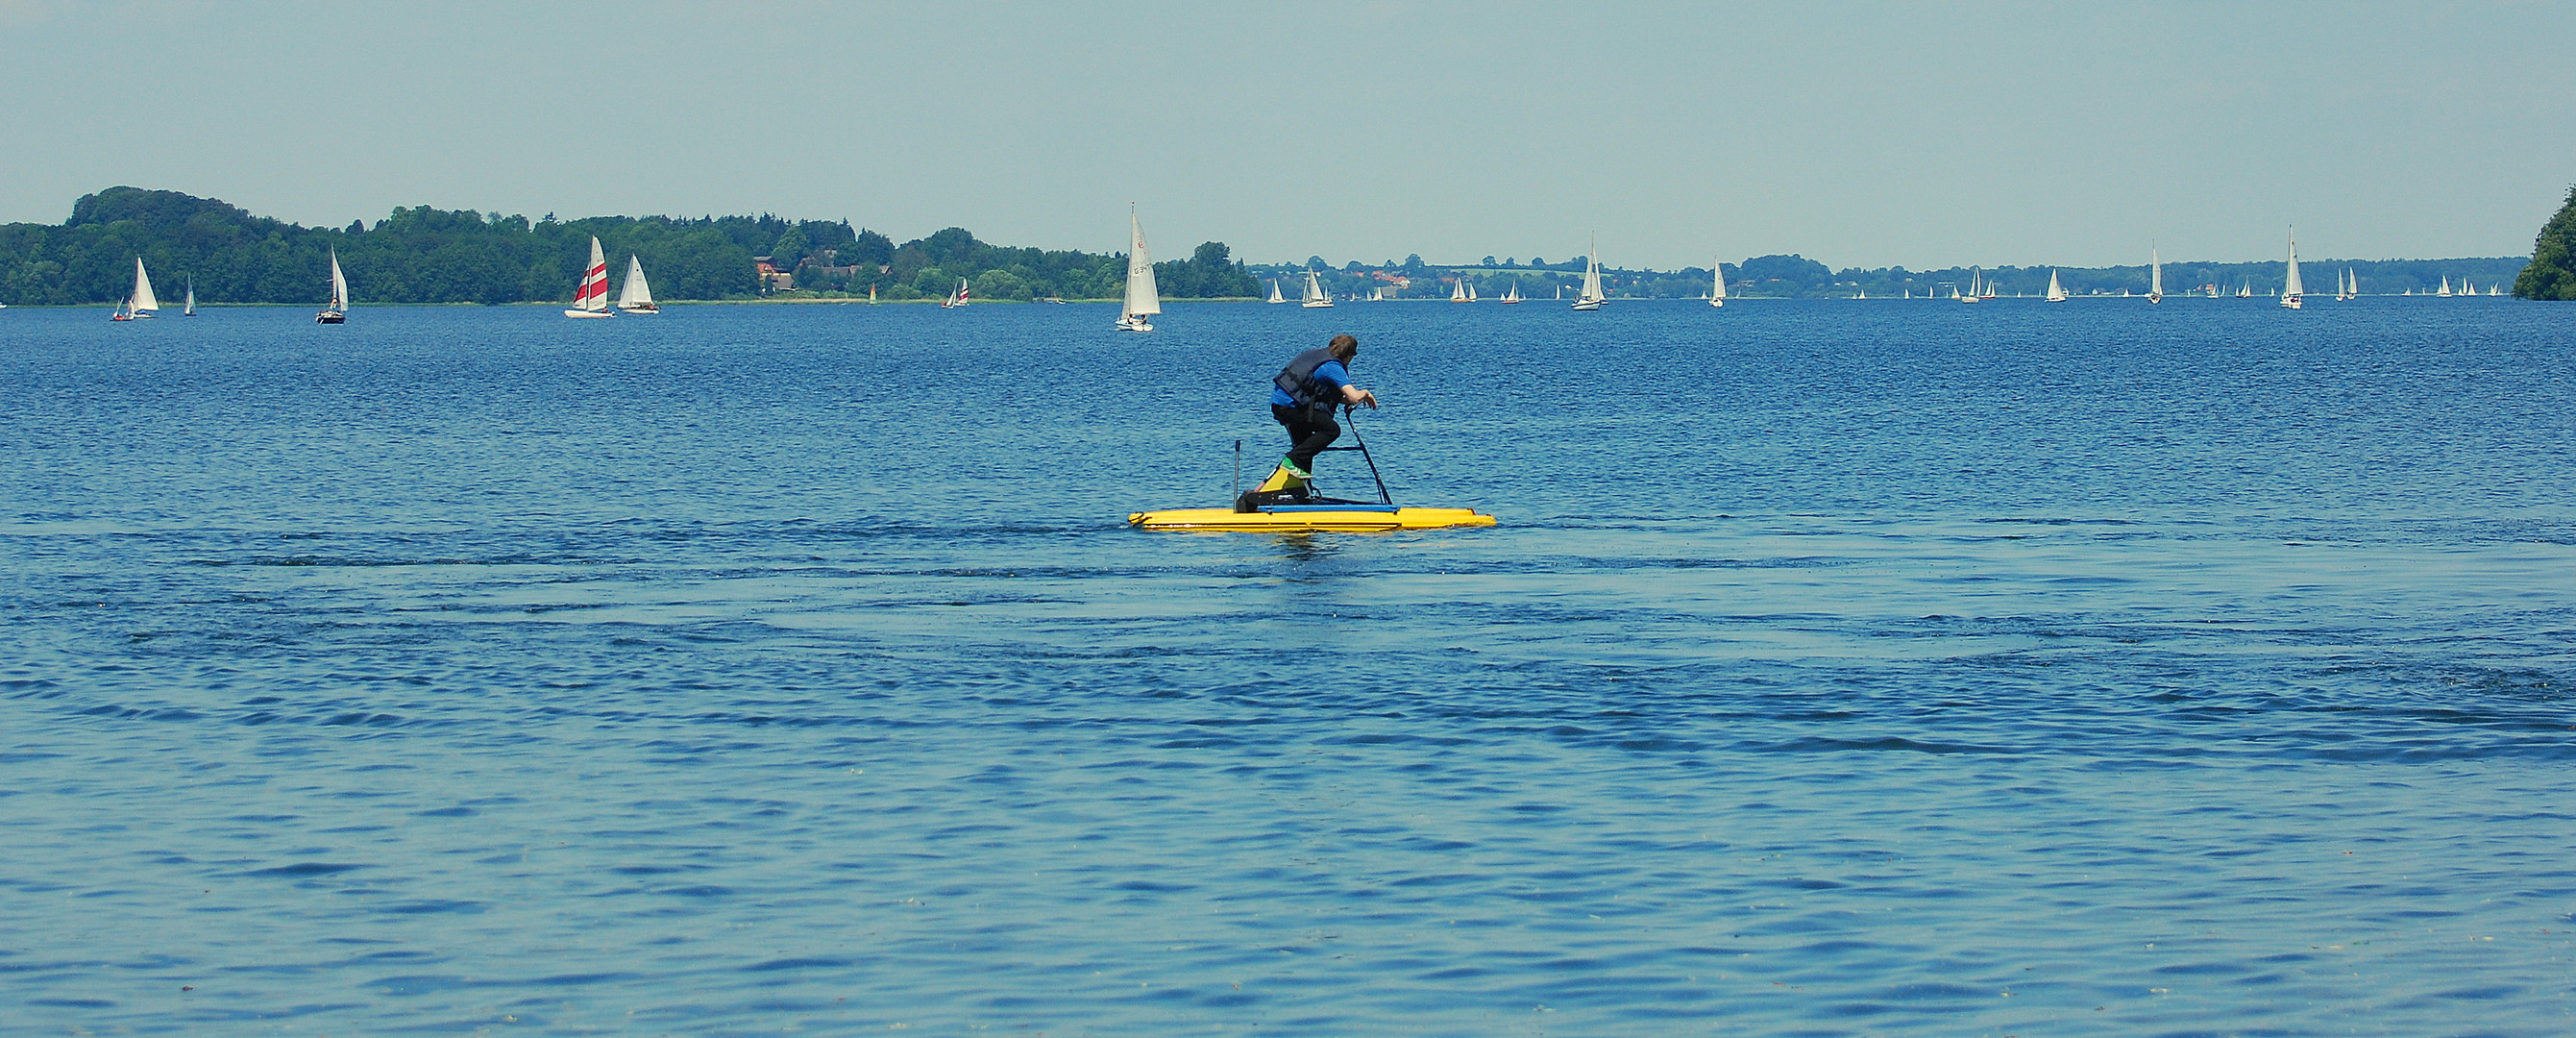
1792, 276
428, 255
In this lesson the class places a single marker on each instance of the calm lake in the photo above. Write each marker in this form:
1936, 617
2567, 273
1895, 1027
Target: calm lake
1837, 668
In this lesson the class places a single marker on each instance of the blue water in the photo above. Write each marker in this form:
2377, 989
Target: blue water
1837, 668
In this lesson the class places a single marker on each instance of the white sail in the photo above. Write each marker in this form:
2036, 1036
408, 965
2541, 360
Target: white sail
190, 310
1142, 300
2155, 276
1591, 297
1458, 289
2291, 289
1275, 297
339, 285
1717, 283
2055, 293
1315, 294
1976, 286
636, 293
591, 298
144, 302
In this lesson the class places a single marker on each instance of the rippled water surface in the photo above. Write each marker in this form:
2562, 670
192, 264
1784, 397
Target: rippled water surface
1836, 668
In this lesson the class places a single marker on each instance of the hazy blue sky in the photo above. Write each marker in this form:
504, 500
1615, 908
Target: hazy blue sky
1856, 134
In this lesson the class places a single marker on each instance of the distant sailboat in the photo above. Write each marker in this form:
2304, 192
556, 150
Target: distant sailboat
1377, 294
190, 310
1316, 297
1976, 282
2155, 276
957, 298
2446, 282
1275, 297
591, 299
2291, 289
336, 311
1514, 295
2055, 293
636, 295
2344, 288
1716, 283
1471, 291
1142, 300
1591, 298
1458, 289
872, 295
142, 303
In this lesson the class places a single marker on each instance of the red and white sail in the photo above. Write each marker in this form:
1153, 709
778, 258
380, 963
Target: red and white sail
593, 295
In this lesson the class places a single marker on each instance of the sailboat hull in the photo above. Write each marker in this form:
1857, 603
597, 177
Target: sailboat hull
330, 317
1135, 324
640, 308
590, 313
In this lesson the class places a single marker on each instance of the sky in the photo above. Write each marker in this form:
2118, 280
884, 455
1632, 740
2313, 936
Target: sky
1857, 134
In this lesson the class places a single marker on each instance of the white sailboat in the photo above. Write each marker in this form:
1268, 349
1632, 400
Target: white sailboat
1471, 291
955, 299
2446, 281
1514, 295
1976, 286
2055, 293
636, 295
1275, 297
142, 303
2344, 287
1377, 294
1142, 300
591, 299
1716, 283
1458, 289
1316, 297
190, 310
1591, 297
336, 311
2291, 289
2155, 276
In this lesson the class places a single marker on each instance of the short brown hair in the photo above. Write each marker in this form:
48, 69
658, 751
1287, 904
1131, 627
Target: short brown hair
1343, 346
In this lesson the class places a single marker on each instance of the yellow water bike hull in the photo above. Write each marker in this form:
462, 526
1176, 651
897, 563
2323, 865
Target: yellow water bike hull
1354, 520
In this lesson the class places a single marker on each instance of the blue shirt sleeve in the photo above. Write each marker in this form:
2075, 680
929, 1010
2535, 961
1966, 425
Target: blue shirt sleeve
1330, 373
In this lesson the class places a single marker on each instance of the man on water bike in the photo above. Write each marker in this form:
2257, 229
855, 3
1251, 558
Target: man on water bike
1303, 397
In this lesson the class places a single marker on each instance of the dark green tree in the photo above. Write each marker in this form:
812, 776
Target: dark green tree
2552, 272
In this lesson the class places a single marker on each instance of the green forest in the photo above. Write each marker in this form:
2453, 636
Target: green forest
2552, 273
429, 255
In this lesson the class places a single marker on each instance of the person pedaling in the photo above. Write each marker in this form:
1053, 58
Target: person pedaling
1303, 397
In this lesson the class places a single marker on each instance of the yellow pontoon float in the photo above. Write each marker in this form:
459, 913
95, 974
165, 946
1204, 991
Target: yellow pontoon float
1285, 503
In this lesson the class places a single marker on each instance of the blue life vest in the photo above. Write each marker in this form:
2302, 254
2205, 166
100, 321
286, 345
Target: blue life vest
1299, 382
